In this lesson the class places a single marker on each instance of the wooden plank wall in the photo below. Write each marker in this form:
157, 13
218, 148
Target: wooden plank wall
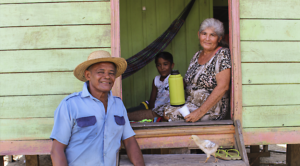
140, 27
270, 70
42, 41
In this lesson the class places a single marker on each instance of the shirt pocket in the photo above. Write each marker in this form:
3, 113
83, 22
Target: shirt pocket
85, 128
86, 121
120, 120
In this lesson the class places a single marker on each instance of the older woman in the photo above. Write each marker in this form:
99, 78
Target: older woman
207, 78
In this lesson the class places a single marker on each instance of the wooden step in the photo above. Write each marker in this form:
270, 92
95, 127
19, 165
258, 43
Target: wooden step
181, 160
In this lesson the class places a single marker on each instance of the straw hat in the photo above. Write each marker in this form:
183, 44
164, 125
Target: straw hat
96, 57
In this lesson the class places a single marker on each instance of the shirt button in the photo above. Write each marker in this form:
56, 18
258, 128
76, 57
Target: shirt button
104, 137
103, 154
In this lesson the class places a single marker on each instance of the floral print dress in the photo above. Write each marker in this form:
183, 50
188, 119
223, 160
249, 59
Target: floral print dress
201, 81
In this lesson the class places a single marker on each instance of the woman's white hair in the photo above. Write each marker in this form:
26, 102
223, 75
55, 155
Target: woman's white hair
218, 29
213, 23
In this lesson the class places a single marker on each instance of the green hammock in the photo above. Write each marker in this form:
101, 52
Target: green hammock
142, 58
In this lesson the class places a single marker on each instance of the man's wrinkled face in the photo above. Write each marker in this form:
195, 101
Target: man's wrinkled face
101, 76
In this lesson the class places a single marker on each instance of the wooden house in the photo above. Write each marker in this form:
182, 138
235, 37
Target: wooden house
42, 41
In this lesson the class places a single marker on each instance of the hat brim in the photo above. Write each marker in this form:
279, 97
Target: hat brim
120, 63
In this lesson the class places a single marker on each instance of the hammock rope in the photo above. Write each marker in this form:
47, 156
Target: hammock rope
142, 58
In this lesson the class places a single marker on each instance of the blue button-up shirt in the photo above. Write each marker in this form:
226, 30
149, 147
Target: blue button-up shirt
93, 138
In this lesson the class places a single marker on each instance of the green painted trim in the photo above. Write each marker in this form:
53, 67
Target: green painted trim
54, 14
25, 129
269, 29
263, 51
271, 116
278, 94
56, 37
270, 73
277, 9
44, 1
43, 60
39, 83
29, 106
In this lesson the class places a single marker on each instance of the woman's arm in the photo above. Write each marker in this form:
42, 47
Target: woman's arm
152, 96
58, 154
223, 84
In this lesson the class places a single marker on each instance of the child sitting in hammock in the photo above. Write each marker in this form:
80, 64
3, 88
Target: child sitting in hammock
160, 91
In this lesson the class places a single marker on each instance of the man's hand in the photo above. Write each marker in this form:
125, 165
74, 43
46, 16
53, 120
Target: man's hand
58, 154
134, 152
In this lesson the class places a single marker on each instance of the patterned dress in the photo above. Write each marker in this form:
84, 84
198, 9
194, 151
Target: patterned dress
201, 81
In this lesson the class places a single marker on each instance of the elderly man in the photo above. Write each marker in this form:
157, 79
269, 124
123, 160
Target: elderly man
89, 125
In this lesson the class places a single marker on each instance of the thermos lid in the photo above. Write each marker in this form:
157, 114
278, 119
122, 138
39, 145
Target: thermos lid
175, 72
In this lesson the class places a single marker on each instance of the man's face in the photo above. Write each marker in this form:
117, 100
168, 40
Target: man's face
101, 76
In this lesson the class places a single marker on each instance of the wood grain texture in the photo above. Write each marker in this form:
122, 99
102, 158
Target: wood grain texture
270, 73
31, 147
180, 123
292, 154
240, 141
25, 129
55, 37
55, 14
260, 29
275, 135
264, 51
281, 94
179, 131
29, 106
39, 83
1, 161
270, 9
183, 141
271, 116
43, 60
115, 42
234, 31
180, 159
43, 1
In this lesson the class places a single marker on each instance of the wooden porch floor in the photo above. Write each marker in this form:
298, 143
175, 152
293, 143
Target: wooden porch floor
181, 160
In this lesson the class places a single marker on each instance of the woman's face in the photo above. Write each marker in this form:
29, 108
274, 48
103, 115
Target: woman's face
209, 39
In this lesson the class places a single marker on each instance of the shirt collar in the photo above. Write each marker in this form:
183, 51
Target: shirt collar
86, 93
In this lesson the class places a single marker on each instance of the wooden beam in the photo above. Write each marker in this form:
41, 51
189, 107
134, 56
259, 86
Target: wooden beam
32, 160
1, 161
181, 131
240, 141
292, 157
180, 123
274, 135
183, 141
234, 20
32, 147
115, 42
256, 160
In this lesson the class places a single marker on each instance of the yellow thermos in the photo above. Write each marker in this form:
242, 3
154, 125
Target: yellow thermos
176, 89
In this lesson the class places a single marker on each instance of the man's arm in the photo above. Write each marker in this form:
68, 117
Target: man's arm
134, 152
58, 155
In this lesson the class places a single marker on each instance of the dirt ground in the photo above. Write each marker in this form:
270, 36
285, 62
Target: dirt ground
275, 159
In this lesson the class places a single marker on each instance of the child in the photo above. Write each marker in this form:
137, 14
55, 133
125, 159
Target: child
160, 91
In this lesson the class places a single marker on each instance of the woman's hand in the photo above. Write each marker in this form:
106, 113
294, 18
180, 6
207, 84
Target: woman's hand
194, 116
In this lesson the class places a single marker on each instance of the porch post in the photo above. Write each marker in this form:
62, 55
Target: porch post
115, 42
